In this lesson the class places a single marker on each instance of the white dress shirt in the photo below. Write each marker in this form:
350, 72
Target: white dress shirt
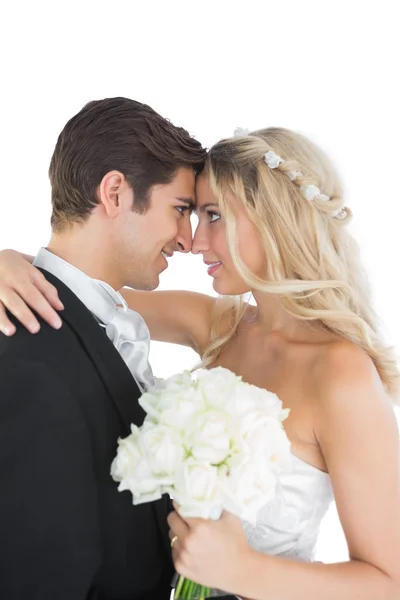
125, 328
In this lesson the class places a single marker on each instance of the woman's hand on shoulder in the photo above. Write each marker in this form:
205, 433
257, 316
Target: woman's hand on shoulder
23, 289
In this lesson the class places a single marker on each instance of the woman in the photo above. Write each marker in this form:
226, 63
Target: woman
272, 221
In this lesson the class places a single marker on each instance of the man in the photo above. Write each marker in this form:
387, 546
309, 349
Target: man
122, 182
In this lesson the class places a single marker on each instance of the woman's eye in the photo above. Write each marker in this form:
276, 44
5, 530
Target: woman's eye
213, 216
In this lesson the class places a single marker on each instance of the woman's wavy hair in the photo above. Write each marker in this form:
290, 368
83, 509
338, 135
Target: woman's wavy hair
312, 261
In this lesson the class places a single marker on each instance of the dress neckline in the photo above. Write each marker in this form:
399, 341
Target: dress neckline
306, 464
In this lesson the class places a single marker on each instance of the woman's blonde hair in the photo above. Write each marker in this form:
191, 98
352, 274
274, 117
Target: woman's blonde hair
312, 261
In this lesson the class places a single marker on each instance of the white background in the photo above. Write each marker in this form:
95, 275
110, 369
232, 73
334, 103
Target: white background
326, 68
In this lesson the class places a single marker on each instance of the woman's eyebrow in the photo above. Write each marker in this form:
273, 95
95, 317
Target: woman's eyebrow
203, 207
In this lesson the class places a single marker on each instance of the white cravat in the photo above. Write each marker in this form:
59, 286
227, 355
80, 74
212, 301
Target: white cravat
124, 327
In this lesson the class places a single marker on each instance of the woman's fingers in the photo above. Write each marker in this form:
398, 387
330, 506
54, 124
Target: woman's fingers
42, 300
23, 291
177, 525
48, 290
19, 307
6, 326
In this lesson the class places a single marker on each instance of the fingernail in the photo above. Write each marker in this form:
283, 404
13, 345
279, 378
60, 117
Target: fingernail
61, 305
8, 330
57, 323
33, 327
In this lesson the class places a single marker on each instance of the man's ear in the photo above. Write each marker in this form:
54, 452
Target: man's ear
112, 193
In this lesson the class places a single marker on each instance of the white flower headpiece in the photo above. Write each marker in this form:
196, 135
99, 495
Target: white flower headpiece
310, 192
241, 132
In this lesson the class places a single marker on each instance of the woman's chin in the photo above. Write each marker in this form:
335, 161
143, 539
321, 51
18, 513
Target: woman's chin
228, 288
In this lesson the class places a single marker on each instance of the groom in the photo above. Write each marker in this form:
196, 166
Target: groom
122, 181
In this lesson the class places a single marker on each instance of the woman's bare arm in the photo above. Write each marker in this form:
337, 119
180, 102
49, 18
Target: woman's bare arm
177, 317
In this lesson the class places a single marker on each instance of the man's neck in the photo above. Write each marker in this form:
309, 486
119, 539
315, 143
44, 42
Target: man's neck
86, 252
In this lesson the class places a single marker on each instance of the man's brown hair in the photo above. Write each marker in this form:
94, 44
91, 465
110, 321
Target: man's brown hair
116, 134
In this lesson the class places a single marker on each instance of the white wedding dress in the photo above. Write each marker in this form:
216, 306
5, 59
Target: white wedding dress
289, 524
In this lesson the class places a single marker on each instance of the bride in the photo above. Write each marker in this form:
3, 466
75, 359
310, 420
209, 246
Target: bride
272, 221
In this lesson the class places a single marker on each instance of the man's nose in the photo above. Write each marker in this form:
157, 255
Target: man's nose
184, 238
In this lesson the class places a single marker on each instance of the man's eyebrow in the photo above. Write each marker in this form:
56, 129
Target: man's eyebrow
189, 201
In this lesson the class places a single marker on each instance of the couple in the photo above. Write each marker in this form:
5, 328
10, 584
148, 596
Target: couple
271, 221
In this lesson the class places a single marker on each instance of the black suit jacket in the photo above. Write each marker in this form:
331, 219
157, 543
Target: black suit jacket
66, 533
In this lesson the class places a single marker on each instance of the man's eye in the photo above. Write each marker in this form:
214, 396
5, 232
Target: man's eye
182, 209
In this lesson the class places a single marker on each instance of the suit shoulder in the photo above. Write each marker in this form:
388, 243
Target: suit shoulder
24, 343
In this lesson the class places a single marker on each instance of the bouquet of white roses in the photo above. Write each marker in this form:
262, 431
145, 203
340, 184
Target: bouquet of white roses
210, 441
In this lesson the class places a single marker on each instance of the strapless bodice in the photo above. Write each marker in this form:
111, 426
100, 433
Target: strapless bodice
289, 524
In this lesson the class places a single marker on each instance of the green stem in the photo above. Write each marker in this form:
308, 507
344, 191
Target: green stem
178, 588
189, 590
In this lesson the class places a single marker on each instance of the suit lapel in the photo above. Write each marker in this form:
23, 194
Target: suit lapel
114, 373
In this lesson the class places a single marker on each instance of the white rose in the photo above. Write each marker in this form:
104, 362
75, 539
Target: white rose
179, 381
208, 436
217, 385
164, 392
246, 398
252, 431
133, 472
265, 439
152, 403
197, 490
162, 447
144, 485
128, 456
247, 487
179, 408
174, 403
278, 445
